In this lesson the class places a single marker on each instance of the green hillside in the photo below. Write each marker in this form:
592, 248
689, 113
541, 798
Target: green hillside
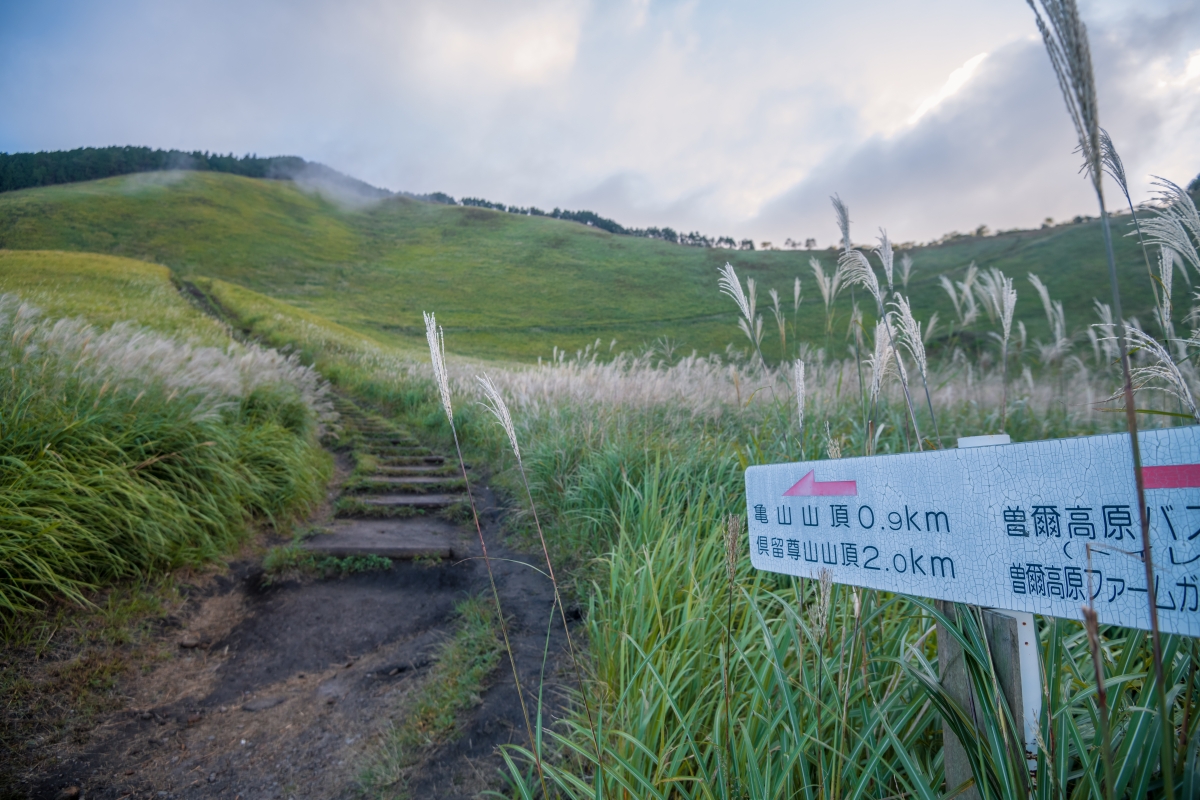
502, 284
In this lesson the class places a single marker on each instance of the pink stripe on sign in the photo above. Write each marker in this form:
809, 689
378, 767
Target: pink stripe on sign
1176, 476
809, 486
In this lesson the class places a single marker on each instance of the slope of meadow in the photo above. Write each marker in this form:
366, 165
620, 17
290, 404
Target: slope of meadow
503, 284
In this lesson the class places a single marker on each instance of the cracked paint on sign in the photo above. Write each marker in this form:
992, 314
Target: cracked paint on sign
1043, 527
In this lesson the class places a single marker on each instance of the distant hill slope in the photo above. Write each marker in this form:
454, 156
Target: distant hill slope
50, 168
506, 284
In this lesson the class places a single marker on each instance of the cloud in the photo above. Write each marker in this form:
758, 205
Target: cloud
997, 146
726, 119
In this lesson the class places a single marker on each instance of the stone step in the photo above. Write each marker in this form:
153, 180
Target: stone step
394, 450
439, 500
419, 461
418, 469
421, 537
385, 439
418, 484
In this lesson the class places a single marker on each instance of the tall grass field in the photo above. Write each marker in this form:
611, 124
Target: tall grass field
128, 448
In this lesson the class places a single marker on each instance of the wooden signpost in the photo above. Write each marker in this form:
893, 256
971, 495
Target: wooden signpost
1021, 529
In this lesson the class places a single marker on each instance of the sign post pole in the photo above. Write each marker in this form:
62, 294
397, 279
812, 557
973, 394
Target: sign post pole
1012, 640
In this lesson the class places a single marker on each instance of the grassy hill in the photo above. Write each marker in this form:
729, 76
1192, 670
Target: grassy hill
503, 285
105, 290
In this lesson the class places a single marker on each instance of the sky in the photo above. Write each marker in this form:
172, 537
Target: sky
740, 119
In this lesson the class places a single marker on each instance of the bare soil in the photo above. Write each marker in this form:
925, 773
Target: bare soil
281, 691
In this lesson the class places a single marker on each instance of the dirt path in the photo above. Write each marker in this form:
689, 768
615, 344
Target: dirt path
281, 691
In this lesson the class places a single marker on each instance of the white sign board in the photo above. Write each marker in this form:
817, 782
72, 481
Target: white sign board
1006, 526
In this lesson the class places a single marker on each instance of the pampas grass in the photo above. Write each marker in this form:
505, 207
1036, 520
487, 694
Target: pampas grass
437, 355
750, 321
1066, 41
494, 402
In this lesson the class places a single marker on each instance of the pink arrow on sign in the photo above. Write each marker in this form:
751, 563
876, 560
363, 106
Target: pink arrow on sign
1176, 476
809, 486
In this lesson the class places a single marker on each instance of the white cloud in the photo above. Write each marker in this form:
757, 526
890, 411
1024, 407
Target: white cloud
957, 80
722, 118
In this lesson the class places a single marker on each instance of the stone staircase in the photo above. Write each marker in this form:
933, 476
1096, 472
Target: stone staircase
392, 511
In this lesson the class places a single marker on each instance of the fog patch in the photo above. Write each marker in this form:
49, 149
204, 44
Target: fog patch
347, 193
142, 181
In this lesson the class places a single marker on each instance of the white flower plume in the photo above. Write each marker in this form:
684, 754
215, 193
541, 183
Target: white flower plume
886, 255
798, 377
843, 219
494, 402
730, 285
437, 353
857, 269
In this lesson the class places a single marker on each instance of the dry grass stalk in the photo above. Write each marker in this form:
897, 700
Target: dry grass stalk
1066, 41
494, 402
437, 355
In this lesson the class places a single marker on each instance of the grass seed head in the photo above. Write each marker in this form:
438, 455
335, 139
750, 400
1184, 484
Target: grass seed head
843, 219
437, 354
494, 402
733, 536
731, 286
1066, 40
798, 377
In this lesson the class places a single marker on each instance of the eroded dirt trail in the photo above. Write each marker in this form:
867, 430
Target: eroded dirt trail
282, 691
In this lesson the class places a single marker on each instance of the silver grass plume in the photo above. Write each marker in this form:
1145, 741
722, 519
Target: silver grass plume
884, 251
1161, 369
990, 291
780, 321
796, 295
843, 219
750, 322
1166, 275
1060, 344
494, 402
832, 446
437, 353
967, 289
910, 333
1066, 42
828, 285
948, 285
906, 265
930, 328
857, 269
798, 378
1110, 161
819, 610
1008, 305
731, 286
733, 535
1108, 343
1065, 37
880, 360
1177, 224
856, 325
